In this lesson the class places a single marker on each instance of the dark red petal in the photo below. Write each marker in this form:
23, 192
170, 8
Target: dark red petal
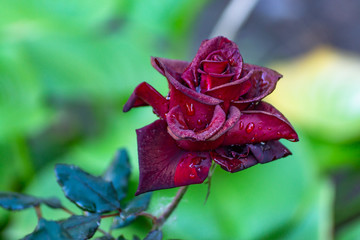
258, 125
233, 164
232, 90
163, 164
214, 66
212, 80
176, 66
144, 95
268, 151
192, 168
228, 49
236, 158
198, 108
233, 118
263, 82
178, 129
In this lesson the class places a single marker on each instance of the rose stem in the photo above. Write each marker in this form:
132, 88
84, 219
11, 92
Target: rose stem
165, 215
38, 212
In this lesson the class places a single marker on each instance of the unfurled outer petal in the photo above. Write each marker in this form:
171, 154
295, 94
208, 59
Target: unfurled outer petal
175, 66
268, 151
236, 158
263, 81
198, 108
263, 123
163, 164
228, 48
144, 95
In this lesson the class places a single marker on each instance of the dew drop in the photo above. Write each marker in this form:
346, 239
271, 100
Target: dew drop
192, 176
190, 109
252, 140
199, 121
241, 125
250, 127
260, 128
278, 133
269, 128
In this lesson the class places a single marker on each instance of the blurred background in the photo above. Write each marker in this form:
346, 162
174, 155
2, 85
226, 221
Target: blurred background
67, 68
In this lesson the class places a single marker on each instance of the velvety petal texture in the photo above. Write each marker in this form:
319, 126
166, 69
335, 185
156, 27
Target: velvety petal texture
163, 164
213, 111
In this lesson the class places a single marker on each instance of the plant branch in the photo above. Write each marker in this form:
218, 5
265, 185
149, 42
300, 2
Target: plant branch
110, 215
165, 215
38, 212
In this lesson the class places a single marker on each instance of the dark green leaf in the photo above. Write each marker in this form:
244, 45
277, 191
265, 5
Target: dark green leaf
81, 227
128, 215
104, 238
136, 238
119, 172
16, 201
138, 204
120, 222
154, 235
90, 193
52, 202
49, 230
121, 238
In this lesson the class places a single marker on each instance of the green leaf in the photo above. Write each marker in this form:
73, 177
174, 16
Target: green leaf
81, 227
88, 192
154, 235
16, 201
138, 204
129, 214
119, 172
49, 230
52, 202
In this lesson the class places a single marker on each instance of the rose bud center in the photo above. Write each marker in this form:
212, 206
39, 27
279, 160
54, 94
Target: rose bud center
214, 71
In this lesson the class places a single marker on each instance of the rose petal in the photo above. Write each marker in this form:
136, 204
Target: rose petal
228, 48
233, 90
192, 168
163, 164
143, 95
176, 66
212, 80
198, 108
236, 158
268, 151
258, 125
263, 82
214, 66
178, 129
230, 163
233, 118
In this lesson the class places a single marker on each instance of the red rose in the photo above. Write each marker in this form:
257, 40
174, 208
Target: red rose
213, 112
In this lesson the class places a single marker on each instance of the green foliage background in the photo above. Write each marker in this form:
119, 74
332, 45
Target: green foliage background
67, 68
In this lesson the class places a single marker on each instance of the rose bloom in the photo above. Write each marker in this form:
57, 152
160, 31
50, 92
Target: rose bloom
213, 112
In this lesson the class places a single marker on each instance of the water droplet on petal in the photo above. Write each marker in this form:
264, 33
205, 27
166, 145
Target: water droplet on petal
199, 121
278, 133
190, 109
252, 140
260, 128
241, 125
269, 128
192, 176
250, 127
